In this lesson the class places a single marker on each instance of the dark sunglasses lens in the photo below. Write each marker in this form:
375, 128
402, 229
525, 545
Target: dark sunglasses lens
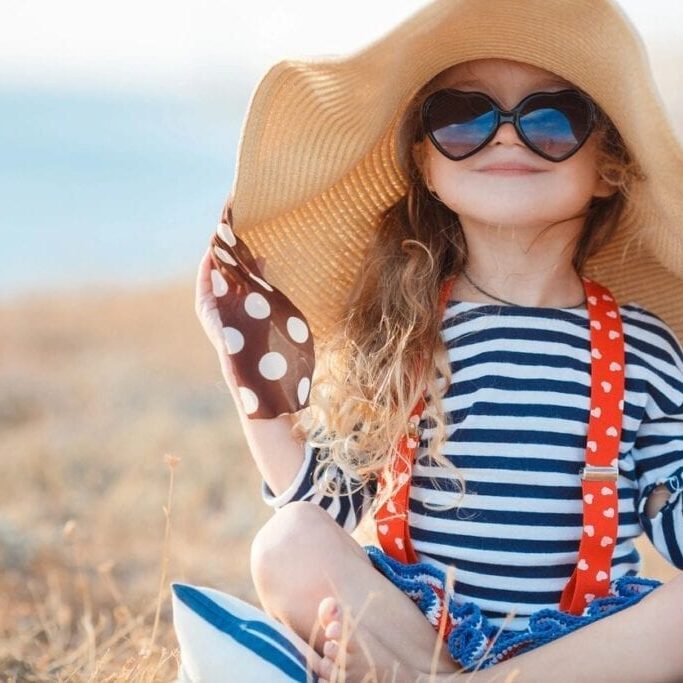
556, 124
459, 122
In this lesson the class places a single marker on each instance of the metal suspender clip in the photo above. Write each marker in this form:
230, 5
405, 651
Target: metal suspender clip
594, 473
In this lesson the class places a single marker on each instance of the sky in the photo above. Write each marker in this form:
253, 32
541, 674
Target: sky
174, 43
122, 119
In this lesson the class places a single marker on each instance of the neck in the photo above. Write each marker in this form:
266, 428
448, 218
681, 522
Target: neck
522, 266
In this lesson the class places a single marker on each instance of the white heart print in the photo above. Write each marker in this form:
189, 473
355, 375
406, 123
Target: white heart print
606, 540
588, 498
609, 512
600, 576
589, 529
383, 529
582, 565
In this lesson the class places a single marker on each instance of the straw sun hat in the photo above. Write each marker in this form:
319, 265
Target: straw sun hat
318, 159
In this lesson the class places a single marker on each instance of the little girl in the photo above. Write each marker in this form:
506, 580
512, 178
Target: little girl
471, 398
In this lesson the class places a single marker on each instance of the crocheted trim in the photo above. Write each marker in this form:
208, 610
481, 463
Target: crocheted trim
472, 633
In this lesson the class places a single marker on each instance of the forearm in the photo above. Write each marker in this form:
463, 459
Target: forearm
277, 453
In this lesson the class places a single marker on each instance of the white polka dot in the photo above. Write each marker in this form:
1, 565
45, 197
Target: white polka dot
226, 234
224, 256
256, 305
262, 282
302, 390
297, 328
272, 365
220, 286
249, 400
234, 339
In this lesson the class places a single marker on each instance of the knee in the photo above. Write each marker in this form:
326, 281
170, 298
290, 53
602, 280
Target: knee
291, 542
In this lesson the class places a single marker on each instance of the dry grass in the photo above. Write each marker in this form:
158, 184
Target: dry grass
100, 395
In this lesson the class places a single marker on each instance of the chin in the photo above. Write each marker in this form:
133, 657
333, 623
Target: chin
508, 216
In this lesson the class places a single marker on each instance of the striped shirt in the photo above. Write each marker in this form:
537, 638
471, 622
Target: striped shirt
519, 406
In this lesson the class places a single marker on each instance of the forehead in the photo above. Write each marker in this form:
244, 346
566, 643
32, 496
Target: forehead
496, 72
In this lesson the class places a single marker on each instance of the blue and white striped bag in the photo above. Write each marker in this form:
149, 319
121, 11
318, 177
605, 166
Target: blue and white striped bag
223, 638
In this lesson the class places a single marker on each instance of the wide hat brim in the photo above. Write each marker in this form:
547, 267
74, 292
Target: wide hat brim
318, 158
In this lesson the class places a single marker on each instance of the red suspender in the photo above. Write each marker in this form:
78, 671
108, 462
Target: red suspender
392, 517
591, 577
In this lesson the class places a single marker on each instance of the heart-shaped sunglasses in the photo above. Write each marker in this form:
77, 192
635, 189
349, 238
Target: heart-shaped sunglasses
552, 124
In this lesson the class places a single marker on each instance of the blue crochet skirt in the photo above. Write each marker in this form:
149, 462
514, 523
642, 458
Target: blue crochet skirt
475, 643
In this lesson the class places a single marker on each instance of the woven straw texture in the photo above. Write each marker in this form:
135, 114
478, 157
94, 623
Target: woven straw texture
318, 158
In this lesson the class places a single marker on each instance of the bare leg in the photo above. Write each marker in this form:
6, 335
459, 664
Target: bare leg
641, 644
301, 555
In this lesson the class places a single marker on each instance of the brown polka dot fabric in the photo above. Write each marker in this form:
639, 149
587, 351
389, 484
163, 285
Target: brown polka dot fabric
267, 339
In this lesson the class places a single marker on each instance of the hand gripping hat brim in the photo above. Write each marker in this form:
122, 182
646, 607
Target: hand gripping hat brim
319, 160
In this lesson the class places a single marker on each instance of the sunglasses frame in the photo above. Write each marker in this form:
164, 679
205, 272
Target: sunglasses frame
506, 116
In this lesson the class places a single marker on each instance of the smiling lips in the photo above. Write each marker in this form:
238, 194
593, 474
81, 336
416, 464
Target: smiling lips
509, 168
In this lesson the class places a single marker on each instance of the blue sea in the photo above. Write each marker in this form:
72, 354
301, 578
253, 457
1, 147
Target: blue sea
110, 188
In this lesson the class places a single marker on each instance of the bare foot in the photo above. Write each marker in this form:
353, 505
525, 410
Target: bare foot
352, 655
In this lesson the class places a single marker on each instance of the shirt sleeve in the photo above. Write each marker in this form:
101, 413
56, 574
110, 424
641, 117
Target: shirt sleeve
658, 449
348, 504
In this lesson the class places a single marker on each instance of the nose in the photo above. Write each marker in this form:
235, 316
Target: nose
506, 134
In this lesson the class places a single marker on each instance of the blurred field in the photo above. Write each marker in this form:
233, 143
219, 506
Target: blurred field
95, 390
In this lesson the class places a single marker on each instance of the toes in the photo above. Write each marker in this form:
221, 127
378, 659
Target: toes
326, 668
328, 611
331, 649
333, 631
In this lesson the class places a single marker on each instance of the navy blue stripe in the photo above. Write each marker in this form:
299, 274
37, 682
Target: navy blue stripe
245, 632
532, 519
468, 591
516, 545
508, 490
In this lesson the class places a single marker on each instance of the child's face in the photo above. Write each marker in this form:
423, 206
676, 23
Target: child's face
558, 190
